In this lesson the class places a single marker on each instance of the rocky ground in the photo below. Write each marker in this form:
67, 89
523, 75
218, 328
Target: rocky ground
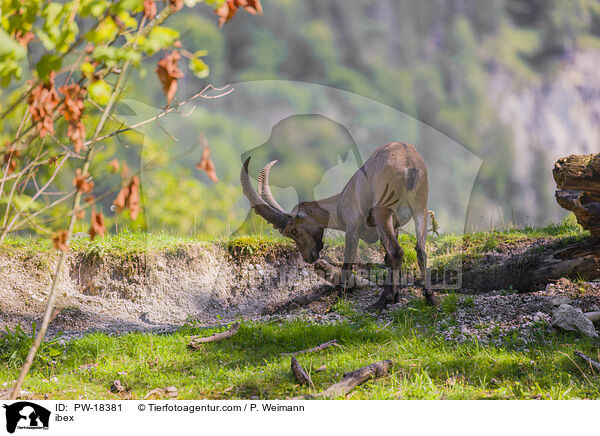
488, 318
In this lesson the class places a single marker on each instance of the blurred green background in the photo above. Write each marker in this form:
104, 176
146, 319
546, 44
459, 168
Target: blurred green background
511, 82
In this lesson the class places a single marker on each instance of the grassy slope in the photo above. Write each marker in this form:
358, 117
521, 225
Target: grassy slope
249, 364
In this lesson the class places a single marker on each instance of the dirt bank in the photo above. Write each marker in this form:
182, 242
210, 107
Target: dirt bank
154, 290
213, 283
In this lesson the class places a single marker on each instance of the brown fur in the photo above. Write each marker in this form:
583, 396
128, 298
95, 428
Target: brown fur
383, 195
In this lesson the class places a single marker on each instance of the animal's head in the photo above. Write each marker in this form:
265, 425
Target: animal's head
305, 224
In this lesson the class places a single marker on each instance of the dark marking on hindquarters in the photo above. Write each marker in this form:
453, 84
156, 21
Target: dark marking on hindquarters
413, 177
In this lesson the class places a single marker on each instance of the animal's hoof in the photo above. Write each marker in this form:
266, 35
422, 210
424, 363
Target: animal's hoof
431, 299
377, 307
387, 297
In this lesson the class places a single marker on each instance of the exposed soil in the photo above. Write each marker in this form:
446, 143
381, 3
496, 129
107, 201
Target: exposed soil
205, 283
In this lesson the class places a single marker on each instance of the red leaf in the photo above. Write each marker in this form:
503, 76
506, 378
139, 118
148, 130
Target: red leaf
82, 182
206, 164
43, 100
59, 239
176, 5
168, 74
129, 196
228, 9
24, 38
97, 227
149, 9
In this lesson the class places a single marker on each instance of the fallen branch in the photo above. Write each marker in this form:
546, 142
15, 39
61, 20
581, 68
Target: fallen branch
332, 343
197, 340
301, 375
334, 276
352, 380
588, 359
534, 268
593, 316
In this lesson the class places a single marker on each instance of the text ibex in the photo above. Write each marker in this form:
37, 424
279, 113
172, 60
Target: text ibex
383, 195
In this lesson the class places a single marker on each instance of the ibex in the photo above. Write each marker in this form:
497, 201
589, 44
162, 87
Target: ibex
383, 195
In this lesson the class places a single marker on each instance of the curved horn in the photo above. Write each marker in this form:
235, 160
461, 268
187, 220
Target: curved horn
276, 217
264, 190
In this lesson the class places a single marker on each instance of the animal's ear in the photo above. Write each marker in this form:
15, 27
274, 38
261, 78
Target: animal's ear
318, 213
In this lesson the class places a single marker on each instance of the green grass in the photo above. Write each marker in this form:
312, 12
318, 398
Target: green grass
250, 365
469, 245
126, 244
255, 246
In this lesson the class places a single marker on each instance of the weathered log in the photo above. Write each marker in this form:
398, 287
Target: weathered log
300, 374
535, 267
332, 343
578, 180
352, 380
586, 211
588, 359
197, 340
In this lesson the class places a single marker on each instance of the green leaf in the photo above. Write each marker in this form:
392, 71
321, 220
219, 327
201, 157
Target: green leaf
159, 38
9, 69
47, 40
201, 53
10, 53
134, 6
199, 68
10, 48
46, 64
127, 19
100, 91
95, 8
51, 13
87, 69
106, 31
112, 56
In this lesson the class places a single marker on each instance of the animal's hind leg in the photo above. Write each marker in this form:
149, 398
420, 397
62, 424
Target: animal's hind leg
421, 231
386, 223
350, 253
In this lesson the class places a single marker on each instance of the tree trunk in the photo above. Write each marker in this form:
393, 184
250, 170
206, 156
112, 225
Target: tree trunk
578, 182
536, 267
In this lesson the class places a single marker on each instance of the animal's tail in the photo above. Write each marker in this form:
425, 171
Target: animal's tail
435, 227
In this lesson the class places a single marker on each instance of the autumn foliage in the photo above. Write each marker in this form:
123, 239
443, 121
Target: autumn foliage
98, 228
59, 239
129, 196
43, 100
229, 8
168, 73
72, 110
82, 49
206, 164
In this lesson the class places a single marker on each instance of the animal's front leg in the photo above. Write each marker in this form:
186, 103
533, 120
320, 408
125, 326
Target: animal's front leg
384, 220
350, 252
421, 248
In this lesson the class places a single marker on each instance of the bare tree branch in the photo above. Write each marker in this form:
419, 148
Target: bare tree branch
197, 340
167, 111
332, 343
